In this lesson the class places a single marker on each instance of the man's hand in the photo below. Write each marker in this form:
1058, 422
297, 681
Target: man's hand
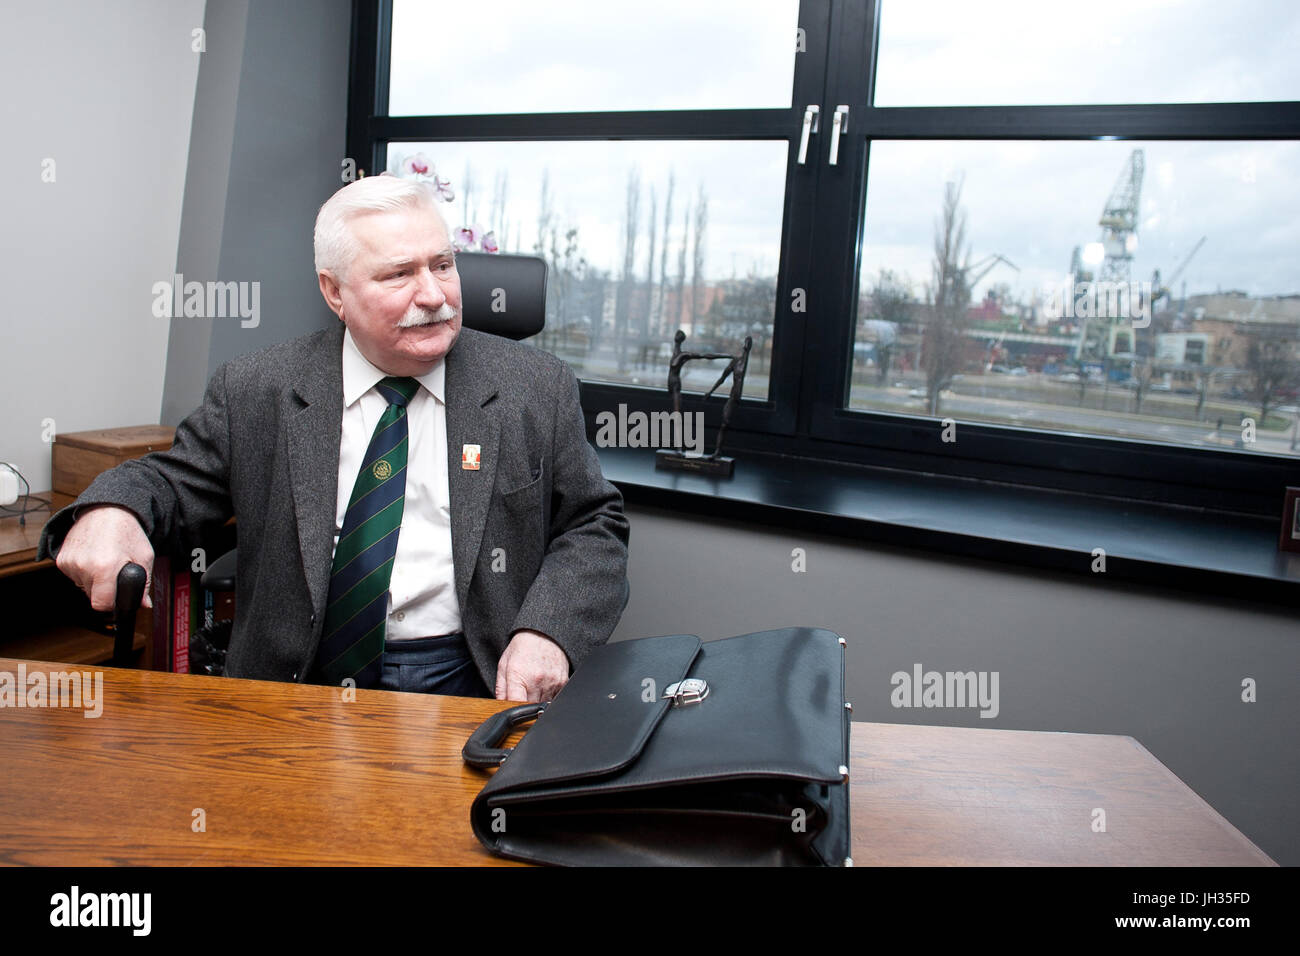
533, 668
99, 543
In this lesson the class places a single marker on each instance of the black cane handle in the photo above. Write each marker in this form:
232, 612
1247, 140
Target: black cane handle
131, 582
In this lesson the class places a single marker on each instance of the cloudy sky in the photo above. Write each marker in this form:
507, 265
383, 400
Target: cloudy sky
1031, 202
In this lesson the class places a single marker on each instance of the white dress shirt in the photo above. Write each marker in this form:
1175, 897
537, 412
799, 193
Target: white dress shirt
422, 592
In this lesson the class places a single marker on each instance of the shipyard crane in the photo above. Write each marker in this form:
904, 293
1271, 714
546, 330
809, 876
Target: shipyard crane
1119, 220
1119, 225
1162, 290
982, 268
1077, 270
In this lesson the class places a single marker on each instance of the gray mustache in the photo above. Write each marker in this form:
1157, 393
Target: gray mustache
445, 313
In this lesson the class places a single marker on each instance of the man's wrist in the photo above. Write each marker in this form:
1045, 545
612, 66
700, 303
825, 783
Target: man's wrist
534, 631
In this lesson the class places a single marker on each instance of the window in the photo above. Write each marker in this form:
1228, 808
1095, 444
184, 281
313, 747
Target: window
641, 238
1070, 237
1025, 52
511, 56
1091, 276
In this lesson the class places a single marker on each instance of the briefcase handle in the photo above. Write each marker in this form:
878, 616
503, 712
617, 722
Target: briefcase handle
483, 750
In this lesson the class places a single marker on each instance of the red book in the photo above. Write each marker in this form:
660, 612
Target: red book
160, 591
181, 621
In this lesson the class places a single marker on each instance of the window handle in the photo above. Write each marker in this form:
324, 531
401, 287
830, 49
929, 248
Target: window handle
809, 126
839, 126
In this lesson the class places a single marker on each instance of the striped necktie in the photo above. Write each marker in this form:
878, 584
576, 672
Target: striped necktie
352, 642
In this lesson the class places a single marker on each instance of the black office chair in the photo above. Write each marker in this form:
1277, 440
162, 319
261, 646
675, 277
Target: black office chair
500, 294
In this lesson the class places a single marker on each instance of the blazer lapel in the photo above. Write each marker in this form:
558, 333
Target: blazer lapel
471, 420
314, 432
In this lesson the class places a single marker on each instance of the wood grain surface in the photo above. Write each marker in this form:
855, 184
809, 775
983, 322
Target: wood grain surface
289, 774
284, 774
954, 796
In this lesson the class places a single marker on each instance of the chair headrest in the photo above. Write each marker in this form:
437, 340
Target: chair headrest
502, 294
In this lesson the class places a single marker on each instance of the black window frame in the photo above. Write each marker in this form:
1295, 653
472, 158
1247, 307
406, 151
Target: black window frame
805, 414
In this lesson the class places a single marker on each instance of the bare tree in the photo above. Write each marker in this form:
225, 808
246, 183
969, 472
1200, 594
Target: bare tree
1143, 372
663, 257
1274, 371
554, 295
631, 225
1220, 356
680, 300
564, 262
697, 275
949, 299
466, 194
500, 194
544, 227
893, 303
643, 318
1204, 378
543, 215
749, 309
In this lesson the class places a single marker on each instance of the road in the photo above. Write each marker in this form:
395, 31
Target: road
1031, 401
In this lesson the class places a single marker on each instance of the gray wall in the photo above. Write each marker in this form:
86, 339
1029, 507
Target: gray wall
211, 164
1075, 654
270, 120
106, 90
207, 179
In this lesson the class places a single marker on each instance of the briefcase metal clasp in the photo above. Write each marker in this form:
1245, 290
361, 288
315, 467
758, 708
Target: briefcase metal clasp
689, 691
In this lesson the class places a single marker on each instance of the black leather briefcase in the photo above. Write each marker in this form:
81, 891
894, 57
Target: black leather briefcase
673, 751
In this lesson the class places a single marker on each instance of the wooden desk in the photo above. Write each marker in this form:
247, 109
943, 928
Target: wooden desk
292, 775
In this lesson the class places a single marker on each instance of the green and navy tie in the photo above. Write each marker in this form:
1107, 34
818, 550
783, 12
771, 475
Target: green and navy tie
352, 643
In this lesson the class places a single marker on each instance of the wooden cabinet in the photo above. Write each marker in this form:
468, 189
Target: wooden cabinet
78, 457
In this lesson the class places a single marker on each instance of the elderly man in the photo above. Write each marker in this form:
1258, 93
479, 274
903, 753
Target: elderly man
418, 507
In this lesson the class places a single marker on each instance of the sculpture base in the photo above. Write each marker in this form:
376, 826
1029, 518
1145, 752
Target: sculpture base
697, 464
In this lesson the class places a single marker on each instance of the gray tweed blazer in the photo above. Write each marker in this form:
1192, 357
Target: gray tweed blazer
264, 446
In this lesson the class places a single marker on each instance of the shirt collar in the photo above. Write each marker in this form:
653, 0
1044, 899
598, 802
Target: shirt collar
360, 376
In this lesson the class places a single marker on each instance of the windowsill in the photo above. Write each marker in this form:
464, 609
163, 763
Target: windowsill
1204, 551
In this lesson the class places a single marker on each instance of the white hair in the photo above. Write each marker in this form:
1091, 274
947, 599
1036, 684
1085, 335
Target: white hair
334, 245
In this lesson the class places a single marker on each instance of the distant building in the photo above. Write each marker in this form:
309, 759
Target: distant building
1183, 348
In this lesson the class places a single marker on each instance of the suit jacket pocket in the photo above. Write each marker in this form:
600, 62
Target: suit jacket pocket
517, 524
528, 496
526, 509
